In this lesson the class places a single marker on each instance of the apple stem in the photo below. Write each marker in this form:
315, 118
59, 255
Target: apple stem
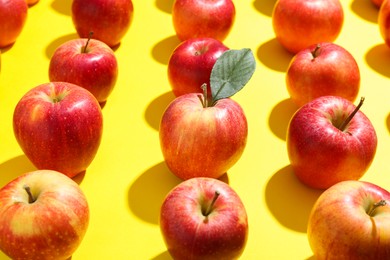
210, 207
86, 45
349, 118
205, 95
31, 198
315, 52
380, 203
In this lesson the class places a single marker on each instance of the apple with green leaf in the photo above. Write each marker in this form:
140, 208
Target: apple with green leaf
202, 135
351, 220
330, 140
43, 215
59, 126
204, 218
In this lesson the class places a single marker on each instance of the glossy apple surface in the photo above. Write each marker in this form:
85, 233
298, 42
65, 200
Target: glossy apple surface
50, 224
351, 220
203, 18
13, 16
198, 141
299, 24
59, 127
321, 151
195, 227
191, 63
109, 20
324, 69
89, 64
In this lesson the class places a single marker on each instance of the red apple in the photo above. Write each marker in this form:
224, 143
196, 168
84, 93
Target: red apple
299, 24
43, 215
199, 141
13, 15
204, 218
59, 126
324, 69
383, 18
191, 63
109, 20
203, 18
351, 220
377, 3
88, 63
330, 140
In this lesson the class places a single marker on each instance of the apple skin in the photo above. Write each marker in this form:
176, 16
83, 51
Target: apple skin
95, 69
191, 63
202, 142
109, 20
299, 24
51, 227
341, 226
203, 18
13, 16
59, 127
331, 71
189, 234
322, 155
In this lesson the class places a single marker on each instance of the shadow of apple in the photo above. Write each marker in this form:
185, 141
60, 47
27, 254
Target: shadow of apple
366, 10
51, 48
280, 116
289, 200
162, 50
62, 6
148, 191
15, 167
155, 109
273, 55
264, 6
165, 5
378, 58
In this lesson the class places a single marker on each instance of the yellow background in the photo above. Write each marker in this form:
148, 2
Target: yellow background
128, 179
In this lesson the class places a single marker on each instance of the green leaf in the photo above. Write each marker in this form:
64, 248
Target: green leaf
231, 72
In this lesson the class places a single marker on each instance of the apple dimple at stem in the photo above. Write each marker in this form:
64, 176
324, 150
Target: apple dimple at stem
380, 203
210, 207
31, 198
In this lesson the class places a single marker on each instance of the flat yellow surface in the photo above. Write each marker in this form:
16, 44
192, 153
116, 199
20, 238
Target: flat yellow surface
128, 179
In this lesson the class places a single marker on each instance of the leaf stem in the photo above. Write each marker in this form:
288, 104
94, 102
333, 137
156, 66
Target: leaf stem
315, 52
31, 198
380, 203
86, 44
349, 118
205, 95
210, 207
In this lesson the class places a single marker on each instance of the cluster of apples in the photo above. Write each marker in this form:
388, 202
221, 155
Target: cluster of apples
323, 80
201, 123
203, 133
59, 124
